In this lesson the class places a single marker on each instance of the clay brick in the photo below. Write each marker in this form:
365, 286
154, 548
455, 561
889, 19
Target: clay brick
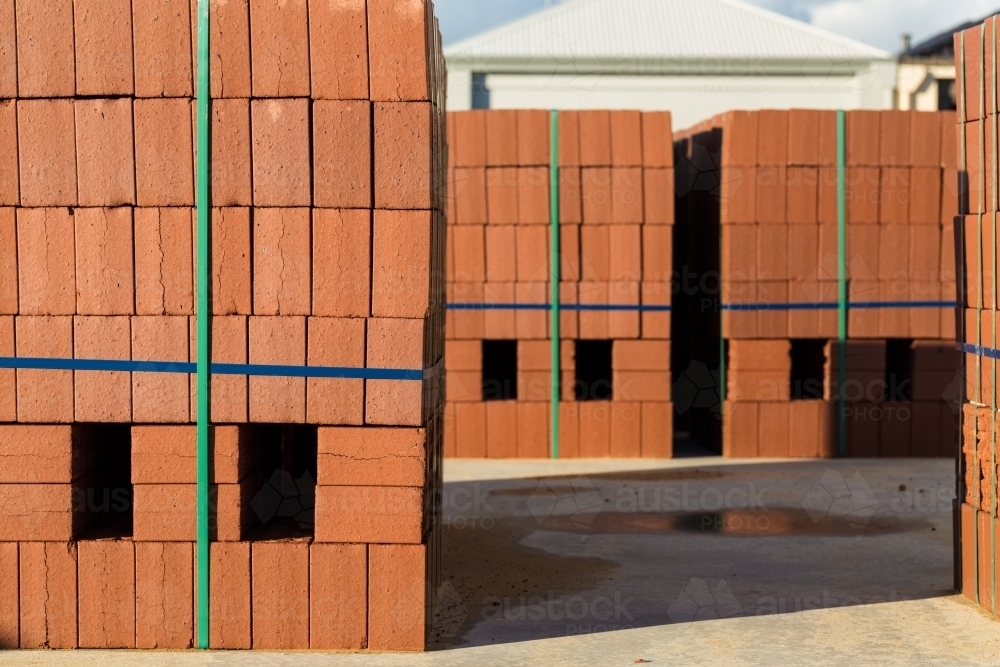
803, 253
772, 137
105, 276
569, 430
46, 140
641, 385
893, 249
774, 430
657, 430
8, 52
397, 608
230, 261
9, 187
470, 138
657, 139
164, 596
593, 323
625, 252
9, 596
342, 147
463, 355
99, 396
341, 267
46, 271
160, 397
229, 612
38, 512
502, 195
772, 194
533, 430
738, 195
45, 61
470, 430
281, 280
634, 355
166, 455
569, 138
279, 46
48, 595
8, 390
501, 429
895, 195
232, 182
501, 256
469, 191
925, 195
164, 152
533, 142
626, 138
655, 323
570, 195
384, 514
627, 197
230, 48
863, 137
532, 253
626, 429
949, 139
403, 162
229, 392
739, 139
105, 152
372, 456
802, 195
658, 196
164, 282
338, 596
466, 324
335, 341
894, 147
533, 196
397, 50
862, 193
394, 343
281, 149
280, 595
281, 341
595, 253
925, 139
598, 195
162, 38
168, 512
103, 47
469, 252
401, 266
107, 594
803, 137
531, 324
806, 428
338, 40
595, 138
595, 429
501, 139
39, 455
772, 251
44, 396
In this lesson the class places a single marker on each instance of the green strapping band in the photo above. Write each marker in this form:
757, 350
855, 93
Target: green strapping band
554, 262
841, 282
204, 316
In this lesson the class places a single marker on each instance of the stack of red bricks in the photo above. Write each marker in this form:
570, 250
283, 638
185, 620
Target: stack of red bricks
328, 232
775, 213
979, 257
616, 206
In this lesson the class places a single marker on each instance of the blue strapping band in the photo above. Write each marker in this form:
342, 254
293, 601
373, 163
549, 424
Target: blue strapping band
979, 350
265, 370
859, 305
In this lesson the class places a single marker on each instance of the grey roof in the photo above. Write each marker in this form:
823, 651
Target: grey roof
606, 32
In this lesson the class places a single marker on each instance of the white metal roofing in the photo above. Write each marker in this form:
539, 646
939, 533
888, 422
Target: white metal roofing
662, 30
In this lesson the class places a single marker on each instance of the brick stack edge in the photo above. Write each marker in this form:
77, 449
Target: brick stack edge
775, 215
977, 118
616, 189
328, 249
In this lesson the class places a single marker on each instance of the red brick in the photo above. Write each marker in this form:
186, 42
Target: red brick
231, 261
105, 276
8, 50
895, 196
103, 47
230, 48
803, 137
501, 195
642, 385
772, 251
533, 144
401, 266
372, 456
38, 512
569, 251
470, 430
281, 280
342, 147
164, 512
160, 397
335, 341
281, 341
469, 252
533, 196
626, 139
657, 139
802, 195
280, 595
45, 61
501, 253
229, 392
863, 137
281, 169
107, 594
570, 195
105, 152
397, 50
803, 253
9, 187
863, 195
925, 195
949, 139
501, 429
772, 194
655, 323
466, 324
164, 281
893, 252
470, 138
894, 147
626, 429
232, 183
595, 429
403, 163
569, 138
9, 597
593, 323
45, 253
738, 195
338, 596
739, 139
532, 253
598, 195
44, 396
383, 514
595, 253
46, 141
634, 355
657, 430
338, 39
162, 37
229, 612
533, 430
164, 596
166, 455
397, 608
100, 396
625, 252
394, 343
772, 137
48, 595
774, 430
595, 138
925, 139
501, 138
658, 191
569, 430
531, 324
469, 191
626, 193
341, 266
164, 152
279, 45
39, 455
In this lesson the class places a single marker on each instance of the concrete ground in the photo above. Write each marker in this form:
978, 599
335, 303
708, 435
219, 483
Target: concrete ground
691, 561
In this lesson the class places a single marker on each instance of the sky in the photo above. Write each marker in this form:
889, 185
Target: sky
876, 22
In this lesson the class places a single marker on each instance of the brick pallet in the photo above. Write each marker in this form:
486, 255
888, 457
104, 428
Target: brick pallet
760, 210
327, 250
616, 205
